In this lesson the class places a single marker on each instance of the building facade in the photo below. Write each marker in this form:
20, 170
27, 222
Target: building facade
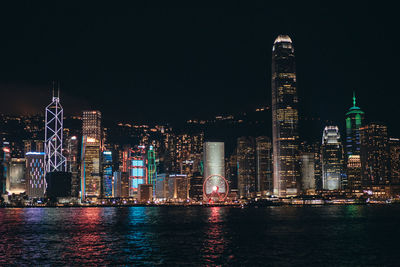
246, 162
35, 174
285, 137
331, 159
90, 168
374, 154
264, 164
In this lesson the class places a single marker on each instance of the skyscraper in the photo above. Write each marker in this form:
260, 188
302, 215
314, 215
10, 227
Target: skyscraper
72, 163
107, 174
264, 164
354, 120
394, 156
90, 168
307, 171
246, 160
214, 165
354, 174
374, 154
331, 159
285, 135
53, 144
91, 124
214, 159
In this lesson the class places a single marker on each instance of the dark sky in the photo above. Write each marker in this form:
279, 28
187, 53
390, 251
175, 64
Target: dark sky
171, 63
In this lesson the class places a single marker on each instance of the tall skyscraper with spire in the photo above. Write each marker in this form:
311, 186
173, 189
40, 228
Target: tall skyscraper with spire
285, 119
354, 121
54, 160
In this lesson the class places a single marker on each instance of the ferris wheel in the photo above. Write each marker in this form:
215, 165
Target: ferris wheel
215, 188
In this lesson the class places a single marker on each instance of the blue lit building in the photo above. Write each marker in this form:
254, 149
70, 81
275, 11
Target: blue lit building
354, 121
107, 177
137, 169
35, 174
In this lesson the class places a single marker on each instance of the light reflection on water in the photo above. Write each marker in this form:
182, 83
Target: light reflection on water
333, 235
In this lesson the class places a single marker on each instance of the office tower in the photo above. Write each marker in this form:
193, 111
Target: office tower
310, 163
264, 164
331, 158
354, 120
307, 171
285, 137
107, 174
33, 146
137, 169
116, 185
374, 154
91, 124
53, 141
72, 164
4, 161
162, 187
394, 156
151, 167
214, 159
214, 163
354, 173
35, 174
90, 168
178, 187
246, 162
16, 176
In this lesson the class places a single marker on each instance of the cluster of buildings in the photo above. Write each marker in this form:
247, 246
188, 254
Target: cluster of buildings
154, 164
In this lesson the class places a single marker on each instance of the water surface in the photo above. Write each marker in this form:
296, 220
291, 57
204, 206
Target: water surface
279, 236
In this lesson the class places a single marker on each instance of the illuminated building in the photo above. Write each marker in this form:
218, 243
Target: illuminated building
310, 163
4, 160
90, 168
107, 174
137, 169
151, 167
354, 120
285, 137
264, 164
116, 185
331, 159
307, 171
374, 154
178, 187
162, 187
354, 173
145, 192
35, 174
16, 176
246, 162
91, 124
394, 156
72, 164
214, 160
125, 182
53, 144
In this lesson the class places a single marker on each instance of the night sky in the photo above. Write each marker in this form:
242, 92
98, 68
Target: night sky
159, 63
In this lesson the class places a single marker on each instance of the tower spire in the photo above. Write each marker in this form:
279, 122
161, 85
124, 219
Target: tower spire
354, 98
53, 89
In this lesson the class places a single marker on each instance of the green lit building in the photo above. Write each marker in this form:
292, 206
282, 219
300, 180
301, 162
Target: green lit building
354, 121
